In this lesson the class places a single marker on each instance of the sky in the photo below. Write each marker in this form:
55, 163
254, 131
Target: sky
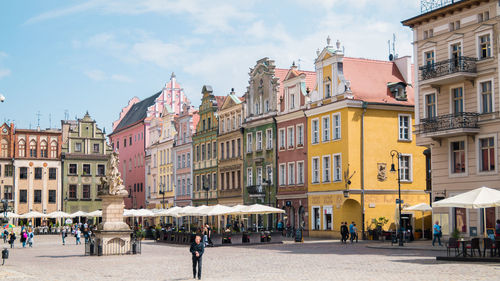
73, 56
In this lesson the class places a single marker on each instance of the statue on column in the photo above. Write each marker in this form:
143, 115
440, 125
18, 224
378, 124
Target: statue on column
112, 184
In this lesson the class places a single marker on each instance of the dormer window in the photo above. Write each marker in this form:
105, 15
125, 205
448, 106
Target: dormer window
292, 100
398, 91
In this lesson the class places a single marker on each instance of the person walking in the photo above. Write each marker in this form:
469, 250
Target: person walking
355, 229
352, 232
197, 249
12, 238
436, 230
78, 234
31, 236
24, 237
64, 234
497, 229
344, 232
5, 235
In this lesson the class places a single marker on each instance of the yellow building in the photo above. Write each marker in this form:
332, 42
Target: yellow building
360, 111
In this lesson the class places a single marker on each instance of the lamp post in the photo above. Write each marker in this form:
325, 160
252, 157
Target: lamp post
398, 155
268, 183
5, 205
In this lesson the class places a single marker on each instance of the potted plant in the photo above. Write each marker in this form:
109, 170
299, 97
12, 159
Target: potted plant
456, 234
379, 224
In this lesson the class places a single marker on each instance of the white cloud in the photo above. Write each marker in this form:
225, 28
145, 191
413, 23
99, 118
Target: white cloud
4, 72
99, 75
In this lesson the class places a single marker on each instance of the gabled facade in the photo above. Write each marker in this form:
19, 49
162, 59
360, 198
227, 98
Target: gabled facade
185, 125
259, 135
7, 163
457, 104
355, 119
292, 146
85, 153
205, 150
230, 140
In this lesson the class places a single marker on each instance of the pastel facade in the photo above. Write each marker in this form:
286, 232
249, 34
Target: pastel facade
457, 105
360, 111
7, 163
85, 153
230, 140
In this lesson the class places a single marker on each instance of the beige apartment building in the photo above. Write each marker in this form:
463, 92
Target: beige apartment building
230, 141
457, 103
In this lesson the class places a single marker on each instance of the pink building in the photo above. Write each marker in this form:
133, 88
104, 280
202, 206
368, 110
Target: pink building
130, 136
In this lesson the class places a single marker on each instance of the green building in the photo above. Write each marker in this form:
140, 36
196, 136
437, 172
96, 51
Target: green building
259, 137
84, 158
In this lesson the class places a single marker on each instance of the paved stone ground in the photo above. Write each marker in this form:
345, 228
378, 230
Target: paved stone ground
324, 260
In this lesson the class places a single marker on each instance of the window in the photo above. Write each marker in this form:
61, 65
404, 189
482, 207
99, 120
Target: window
86, 191
32, 149
203, 152
188, 160
300, 135
214, 179
73, 169
188, 185
483, 16
233, 149
336, 126
429, 60
315, 131
239, 147
259, 176
291, 173
53, 150
227, 149
178, 161
233, 183
43, 149
315, 170
291, 137
487, 154
23, 173
222, 181
238, 178
38, 173
72, 191
405, 168
222, 127
23, 196
316, 220
130, 140
484, 46
198, 184
7, 192
197, 153
209, 151
461, 219
291, 102
258, 141
183, 161
101, 169
8, 170
404, 127
22, 148
456, 53
328, 90
96, 148
249, 142
118, 144
454, 25
326, 169
266, 103
249, 177
234, 122
269, 139
486, 97
52, 196
38, 196
282, 138
86, 169
458, 157
52, 173
300, 172
78, 147
326, 128
458, 100
282, 174
214, 147
337, 167
430, 105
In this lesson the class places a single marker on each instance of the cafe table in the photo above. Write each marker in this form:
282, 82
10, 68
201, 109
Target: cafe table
464, 243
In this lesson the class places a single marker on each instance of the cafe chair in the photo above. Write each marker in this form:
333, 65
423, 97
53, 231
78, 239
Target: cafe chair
474, 245
489, 244
452, 244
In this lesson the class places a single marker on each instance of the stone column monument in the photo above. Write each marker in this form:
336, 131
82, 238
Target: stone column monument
113, 234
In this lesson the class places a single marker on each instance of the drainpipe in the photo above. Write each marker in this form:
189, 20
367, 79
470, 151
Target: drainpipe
364, 106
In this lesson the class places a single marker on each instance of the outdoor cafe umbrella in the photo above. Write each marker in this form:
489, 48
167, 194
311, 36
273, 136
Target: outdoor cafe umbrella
478, 198
33, 214
12, 215
423, 207
58, 215
143, 213
78, 214
259, 209
96, 213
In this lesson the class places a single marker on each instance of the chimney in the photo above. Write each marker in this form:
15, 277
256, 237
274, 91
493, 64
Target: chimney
405, 68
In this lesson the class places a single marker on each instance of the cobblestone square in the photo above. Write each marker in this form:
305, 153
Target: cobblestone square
313, 260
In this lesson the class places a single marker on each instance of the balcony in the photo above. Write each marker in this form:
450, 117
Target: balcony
449, 71
256, 191
449, 125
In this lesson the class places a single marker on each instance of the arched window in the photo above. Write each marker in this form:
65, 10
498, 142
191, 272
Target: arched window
43, 149
32, 148
53, 149
22, 148
5, 148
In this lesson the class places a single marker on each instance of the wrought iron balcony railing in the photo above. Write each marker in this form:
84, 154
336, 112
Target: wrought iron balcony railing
460, 120
256, 190
445, 67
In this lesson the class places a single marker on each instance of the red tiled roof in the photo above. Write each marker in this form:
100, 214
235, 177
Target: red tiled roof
369, 79
280, 73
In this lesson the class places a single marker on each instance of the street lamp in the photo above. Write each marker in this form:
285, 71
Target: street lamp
206, 186
393, 169
268, 182
5, 205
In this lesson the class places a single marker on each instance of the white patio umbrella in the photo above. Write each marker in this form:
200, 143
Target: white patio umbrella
96, 213
143, 213
78, 214
422, 207
218, 210
172, 212
11, 215
58, 215
191, 211
128, 213
478, 198
259, 209
32, 215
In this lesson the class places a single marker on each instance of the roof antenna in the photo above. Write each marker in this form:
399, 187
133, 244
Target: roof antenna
298, 63
38, 119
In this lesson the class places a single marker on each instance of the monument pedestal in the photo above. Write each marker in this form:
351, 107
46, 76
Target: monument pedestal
113, 234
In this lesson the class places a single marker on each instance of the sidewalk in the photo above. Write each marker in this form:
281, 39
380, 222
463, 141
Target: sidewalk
424, 245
